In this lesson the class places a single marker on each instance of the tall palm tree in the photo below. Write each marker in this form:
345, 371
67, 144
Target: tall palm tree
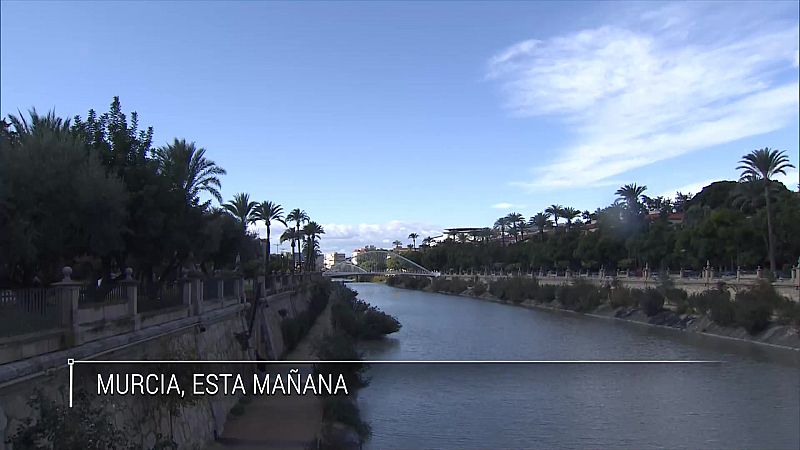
242, 209
413, 237
569, 215
555, 211
501, 225
298, 216
187, 167
630, 194
290, 234
268, 212
759, 166
312, 231
514, 219
541, 221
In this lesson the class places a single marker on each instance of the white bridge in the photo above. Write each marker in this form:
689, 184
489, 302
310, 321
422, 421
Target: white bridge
377, 262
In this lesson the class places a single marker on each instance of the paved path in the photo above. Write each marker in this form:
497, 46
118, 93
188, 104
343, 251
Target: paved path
280, 422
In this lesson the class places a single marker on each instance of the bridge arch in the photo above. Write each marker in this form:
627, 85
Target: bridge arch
378, 262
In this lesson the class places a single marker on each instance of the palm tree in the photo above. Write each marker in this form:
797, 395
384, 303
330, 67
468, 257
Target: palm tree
268, 211
413, 237
514, 219
298, 216
189, 170
555, 211
242, 209
290, 234
397, 243
427, 241
541, 221
311, 231
759, 166
49, 123
681, 201
485, 234
569, 215
630, 194
501, 224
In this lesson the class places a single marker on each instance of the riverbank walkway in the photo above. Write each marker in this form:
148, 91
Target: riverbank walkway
280, 422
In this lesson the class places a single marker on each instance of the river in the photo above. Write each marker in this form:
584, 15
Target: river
751, 399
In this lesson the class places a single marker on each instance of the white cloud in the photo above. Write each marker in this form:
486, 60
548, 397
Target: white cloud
791, 179
634, 97
506, 205
347, 237
691, 188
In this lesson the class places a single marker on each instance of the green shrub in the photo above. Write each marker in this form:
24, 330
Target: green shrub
754, 306
359, 319
338, 346
622, 297
496, 288
86, 426
479, 288
788, 312
581, 296
546, 293
650, 301
343, 410
716, 303
454, 286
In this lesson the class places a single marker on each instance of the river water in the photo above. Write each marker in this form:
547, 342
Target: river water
751, 399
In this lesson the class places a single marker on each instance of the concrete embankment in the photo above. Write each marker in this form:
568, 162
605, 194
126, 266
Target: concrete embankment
776, 335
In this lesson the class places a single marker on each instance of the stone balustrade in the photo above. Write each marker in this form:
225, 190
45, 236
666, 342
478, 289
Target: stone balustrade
70, 313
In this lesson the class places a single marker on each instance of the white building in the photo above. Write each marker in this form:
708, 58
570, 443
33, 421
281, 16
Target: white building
333, 258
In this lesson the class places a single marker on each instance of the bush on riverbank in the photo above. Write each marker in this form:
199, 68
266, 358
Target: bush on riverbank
581, 296
342, 410
479, 288
408, 282
359, 319
352, 319
753, 309
514, 289
715, 303
454, 286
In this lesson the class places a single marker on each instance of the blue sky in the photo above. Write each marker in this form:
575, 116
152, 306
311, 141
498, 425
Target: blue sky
380, 119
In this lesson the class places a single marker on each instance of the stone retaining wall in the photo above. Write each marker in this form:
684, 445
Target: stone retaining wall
209, 336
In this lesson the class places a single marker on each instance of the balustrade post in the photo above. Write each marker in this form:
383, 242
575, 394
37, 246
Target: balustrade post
69, 297
796, 272
198, 296
131, 287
